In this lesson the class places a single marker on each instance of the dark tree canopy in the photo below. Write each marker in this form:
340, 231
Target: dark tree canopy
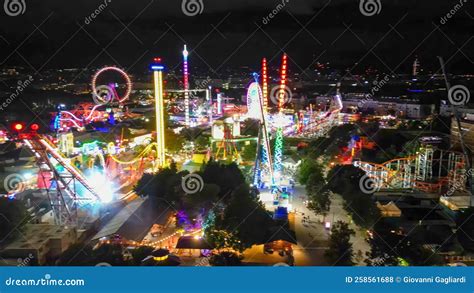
227, 177
340, 250
13, 217
345, 180
243, 223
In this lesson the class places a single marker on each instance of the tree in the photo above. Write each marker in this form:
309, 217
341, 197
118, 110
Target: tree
345, 180
340, 250
310, 167
174, 142
383, 245
198, 204
244, 218
319, 200
162, 186
13, 218
227, 177
249, 152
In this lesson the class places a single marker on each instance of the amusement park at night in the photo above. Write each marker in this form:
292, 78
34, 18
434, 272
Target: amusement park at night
280, 134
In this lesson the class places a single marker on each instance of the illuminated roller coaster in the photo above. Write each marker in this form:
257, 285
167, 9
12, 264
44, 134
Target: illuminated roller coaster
139, 160
67, 186
428, 170
61, 185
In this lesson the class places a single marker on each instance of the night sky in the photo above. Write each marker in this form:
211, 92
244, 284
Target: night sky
230, 34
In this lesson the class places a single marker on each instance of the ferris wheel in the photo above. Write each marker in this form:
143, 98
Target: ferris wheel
103, 94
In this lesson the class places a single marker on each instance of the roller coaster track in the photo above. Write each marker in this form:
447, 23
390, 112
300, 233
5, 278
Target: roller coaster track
416, 171
62, 188
141, 155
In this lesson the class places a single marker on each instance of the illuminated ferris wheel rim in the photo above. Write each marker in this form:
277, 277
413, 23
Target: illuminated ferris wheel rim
116, 69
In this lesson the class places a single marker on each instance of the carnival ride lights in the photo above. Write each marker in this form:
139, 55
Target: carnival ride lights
18, 126
263, 164
254, 96
128, 82
96, 91
102, 184
417, 171
138, 157
265, 85
320, 123
186, 86
61, 187
279, 134
157, 69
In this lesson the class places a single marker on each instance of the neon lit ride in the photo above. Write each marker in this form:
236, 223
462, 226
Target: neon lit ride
125, 76
186, 86
157, 69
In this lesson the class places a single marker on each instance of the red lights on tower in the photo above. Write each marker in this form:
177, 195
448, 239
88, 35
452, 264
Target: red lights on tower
20, 129
34, 127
